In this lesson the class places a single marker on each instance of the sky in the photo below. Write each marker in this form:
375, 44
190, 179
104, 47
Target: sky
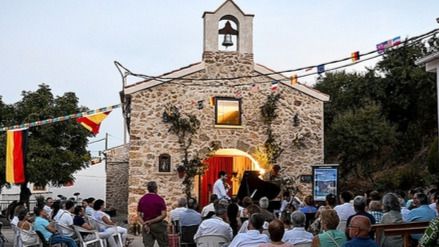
71, 45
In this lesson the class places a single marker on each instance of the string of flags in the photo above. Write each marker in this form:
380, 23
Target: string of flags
17, 136
62, 118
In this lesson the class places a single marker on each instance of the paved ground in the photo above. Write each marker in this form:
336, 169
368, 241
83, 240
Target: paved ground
9, 234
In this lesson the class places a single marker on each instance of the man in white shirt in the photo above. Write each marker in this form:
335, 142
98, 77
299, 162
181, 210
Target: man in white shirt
181, 206
254, 236
219, 187
65, 218
89, 211
216, 225
298, 234
209, 207
345, 210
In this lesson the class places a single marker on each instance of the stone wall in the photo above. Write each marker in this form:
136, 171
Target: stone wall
149, 136
117, 178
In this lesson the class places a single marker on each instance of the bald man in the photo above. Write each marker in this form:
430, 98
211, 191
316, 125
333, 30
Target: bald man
359, 229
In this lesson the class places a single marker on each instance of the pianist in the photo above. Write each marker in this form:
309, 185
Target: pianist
220, 187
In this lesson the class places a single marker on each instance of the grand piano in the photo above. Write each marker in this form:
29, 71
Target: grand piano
254, 187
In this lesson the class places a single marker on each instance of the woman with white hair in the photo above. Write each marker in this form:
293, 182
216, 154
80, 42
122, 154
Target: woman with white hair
263, 204
392, 215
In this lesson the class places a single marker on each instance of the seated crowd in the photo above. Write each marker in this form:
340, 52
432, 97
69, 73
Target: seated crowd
297, 223
54, 223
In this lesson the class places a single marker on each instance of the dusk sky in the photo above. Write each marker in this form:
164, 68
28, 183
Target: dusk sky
71, 45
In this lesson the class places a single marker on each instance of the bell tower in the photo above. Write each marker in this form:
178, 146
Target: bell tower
228, 29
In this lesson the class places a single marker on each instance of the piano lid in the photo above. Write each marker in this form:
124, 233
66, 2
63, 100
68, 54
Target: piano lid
253, 186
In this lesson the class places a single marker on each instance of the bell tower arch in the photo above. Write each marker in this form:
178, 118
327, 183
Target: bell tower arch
228, 27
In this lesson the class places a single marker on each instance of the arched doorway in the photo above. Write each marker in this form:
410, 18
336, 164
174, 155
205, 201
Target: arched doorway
234, 162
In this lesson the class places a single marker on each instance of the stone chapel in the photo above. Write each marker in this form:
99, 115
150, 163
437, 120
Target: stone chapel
225, 91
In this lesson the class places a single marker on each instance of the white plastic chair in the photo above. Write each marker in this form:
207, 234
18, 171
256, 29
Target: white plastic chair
211, 241
99, 224
85, 243
29, 238
64, 230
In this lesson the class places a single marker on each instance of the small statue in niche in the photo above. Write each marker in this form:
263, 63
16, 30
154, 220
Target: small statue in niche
164, 163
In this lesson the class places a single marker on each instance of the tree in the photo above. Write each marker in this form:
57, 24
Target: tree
55, 151
361, 139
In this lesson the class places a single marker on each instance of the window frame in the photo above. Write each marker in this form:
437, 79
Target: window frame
239, 100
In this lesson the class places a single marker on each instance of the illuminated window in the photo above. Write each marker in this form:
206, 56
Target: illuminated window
228, 111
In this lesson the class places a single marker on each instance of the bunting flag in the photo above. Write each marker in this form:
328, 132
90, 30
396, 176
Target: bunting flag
381, 47
212, 101
16, 143
294, 79
321, 69
396, 41
93, 122
355, 56
309, 68
274, 85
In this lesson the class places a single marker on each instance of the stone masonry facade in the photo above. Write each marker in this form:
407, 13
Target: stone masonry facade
117, 178
299, 126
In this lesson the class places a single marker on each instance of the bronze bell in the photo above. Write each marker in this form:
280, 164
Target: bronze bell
228, 31
227, 40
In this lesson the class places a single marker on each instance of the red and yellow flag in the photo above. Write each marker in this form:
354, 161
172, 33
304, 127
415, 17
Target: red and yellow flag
93, 122
16, 143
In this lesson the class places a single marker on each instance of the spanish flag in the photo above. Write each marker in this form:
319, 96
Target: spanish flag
16, 143
93, 122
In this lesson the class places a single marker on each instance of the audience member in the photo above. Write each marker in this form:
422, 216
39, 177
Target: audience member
48, 206
431, 235
309, 207
375, 209
24, 223
18, 208
422, 212
151, 212
252, 209
64, 217
276, 230
246, 201
359, 228
181, 206
360, 209
109, 226
331, 237
345, 210
254, 235
330, 203
392, 215
298, 234
232, 215
286, 200
209, 207
78, 220
433, 200
89, 211
190, 217
217, 224
48, 230
263, 204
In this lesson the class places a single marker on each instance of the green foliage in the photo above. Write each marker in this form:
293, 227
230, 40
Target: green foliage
55, 151
433, 160
185, 126
383, 118
268, 111
359, 138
